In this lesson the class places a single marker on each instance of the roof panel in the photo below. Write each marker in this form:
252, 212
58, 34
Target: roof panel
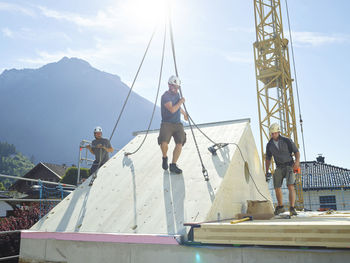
135, 195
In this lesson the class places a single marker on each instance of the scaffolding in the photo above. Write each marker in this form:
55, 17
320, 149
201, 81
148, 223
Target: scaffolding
83, 158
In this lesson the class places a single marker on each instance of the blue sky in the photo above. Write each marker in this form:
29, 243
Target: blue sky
214, 51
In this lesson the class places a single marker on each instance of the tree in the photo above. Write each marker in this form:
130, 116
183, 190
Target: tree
7, 182
16, 165
2, 187
32, 159
12, 163
7, 149
71, 174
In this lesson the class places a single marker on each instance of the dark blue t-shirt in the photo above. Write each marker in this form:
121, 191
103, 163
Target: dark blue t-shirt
167, 116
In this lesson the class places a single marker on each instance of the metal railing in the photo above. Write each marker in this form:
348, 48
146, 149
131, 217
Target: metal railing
9, 257
29, 200
37, 180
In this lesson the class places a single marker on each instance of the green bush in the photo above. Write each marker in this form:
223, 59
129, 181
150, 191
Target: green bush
71, 174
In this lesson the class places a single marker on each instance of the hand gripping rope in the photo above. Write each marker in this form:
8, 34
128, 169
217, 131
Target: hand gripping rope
204, 170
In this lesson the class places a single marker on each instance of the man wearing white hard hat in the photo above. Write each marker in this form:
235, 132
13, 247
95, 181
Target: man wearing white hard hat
281, 148
171, 125
100, 147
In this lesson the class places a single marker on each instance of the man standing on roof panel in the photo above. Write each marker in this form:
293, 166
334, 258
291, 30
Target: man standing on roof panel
281, 148
100, 147
171, 125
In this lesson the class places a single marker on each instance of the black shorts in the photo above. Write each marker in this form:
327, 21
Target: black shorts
168, 130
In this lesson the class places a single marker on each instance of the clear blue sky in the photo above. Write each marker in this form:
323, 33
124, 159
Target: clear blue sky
214, 51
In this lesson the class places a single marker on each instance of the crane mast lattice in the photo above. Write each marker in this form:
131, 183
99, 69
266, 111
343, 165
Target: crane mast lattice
273, 78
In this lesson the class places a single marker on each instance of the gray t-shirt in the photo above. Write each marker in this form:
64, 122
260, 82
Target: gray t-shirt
283, 153
101, 155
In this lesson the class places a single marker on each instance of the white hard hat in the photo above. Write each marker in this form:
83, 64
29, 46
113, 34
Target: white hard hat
173, 80
274, 128
98, 129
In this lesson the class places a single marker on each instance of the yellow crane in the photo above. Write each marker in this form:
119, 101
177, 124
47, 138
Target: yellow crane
273, 78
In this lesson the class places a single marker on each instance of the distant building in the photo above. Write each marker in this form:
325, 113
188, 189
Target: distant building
5, 207
325, 186
43, 171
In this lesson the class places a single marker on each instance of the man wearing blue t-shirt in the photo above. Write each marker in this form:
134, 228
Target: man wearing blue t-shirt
171, 125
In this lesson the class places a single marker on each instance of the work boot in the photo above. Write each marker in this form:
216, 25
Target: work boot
165, 163
279, 210
175, 169
292, 211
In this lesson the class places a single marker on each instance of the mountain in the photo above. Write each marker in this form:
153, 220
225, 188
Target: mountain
46, 112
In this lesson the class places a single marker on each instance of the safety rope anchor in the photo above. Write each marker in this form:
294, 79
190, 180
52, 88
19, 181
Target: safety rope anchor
205, 174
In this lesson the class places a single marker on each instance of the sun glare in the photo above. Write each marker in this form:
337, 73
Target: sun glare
145, 13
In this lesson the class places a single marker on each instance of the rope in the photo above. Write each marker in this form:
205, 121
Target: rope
206, 136
155, 102
296, 85
132, 85
204, 170
296, 81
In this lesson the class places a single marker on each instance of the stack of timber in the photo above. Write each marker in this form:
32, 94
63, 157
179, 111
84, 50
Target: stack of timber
312, 231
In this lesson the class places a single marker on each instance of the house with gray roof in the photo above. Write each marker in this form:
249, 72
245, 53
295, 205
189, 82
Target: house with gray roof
43, 171
325, 186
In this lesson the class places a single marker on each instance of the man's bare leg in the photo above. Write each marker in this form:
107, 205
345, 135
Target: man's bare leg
164, 148
291, 195
279, 196
177, 152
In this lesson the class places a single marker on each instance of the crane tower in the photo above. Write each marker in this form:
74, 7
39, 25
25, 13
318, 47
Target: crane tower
273, 77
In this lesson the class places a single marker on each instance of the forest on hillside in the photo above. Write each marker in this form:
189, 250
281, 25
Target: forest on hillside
12, 163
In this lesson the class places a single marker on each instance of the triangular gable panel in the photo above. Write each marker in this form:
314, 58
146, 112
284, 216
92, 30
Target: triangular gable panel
135, 195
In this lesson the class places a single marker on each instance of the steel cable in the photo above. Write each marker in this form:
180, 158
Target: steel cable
204, 170
155, 102
133, 83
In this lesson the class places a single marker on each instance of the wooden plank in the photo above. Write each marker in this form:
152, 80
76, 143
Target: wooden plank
330, 232
314, 229
266, 234
277, 243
